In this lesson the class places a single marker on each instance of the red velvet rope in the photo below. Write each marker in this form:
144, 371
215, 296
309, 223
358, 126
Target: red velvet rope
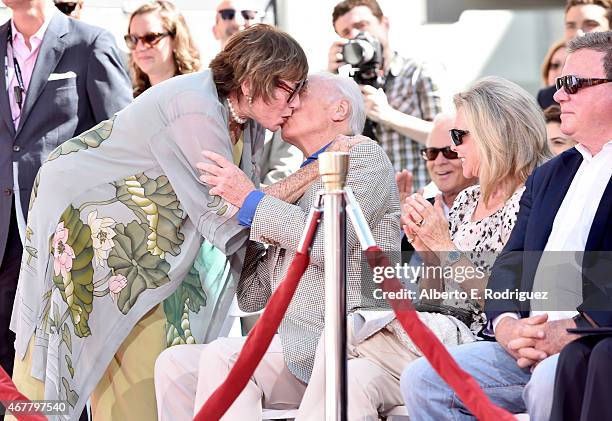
8, 392
256, 344
436, 353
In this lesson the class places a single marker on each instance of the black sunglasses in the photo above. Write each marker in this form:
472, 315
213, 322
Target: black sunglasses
292, 91
66, 7
572, 84
149, 40
230, 14
457, 136
430, 154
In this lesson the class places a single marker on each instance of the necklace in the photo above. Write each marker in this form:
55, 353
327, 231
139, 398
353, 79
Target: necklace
233, 113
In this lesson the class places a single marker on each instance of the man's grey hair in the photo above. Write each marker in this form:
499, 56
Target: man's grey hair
596, 41
346, 88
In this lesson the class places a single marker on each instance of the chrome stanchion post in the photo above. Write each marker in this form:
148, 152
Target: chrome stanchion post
333, 167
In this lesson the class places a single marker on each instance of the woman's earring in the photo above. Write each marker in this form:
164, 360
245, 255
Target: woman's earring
250, 99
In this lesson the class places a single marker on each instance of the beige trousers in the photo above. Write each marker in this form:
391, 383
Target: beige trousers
186, 376
126, 390
374, 368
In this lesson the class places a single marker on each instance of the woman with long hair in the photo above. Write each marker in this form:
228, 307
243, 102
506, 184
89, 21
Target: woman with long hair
160, 45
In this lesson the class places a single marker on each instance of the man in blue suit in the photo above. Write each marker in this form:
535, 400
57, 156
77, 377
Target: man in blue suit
566, 207
60, 77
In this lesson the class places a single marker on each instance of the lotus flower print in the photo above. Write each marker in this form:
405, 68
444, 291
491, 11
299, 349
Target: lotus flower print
63, 255
101, 236
116, 283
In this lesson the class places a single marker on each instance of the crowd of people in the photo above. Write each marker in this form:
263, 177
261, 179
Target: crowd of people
142, 195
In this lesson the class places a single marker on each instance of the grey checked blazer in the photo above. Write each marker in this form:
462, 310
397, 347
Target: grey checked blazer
280, 224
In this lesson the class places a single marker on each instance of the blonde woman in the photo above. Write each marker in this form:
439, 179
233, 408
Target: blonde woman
500, 137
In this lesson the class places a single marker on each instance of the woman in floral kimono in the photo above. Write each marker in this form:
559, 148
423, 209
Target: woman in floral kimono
118, 214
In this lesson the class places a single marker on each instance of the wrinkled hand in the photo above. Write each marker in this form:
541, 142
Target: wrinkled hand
519, 338
376, 103
334, 57
404, 185
428, 222
556, 336
343, 143
227, 179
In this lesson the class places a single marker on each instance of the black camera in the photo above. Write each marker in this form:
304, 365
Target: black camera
364, 54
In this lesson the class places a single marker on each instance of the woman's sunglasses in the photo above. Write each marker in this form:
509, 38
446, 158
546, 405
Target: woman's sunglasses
148, 40
66, 7
430, 154
457, 136
292, 91
230, 14
572, 84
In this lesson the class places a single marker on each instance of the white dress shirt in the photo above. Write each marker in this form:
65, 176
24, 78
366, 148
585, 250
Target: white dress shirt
573, 221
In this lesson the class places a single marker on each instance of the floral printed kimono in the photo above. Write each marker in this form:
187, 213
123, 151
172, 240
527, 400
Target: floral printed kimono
117, 217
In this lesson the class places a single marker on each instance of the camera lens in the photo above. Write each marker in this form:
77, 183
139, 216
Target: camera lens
358, 52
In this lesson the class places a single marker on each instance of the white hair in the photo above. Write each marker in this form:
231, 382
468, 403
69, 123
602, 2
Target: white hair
346, 88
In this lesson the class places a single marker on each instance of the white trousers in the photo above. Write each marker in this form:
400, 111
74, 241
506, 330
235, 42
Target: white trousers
374, 367
186, 375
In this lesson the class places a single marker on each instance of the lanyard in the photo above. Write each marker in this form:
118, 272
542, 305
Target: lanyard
19, 90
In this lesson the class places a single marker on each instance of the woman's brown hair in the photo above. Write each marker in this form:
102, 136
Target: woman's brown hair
548, 59
261, 54
186, 55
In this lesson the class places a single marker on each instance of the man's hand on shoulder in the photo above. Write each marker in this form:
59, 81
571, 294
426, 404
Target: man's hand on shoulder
344, 143
227, 179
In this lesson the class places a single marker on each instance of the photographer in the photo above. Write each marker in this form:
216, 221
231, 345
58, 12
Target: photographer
401, 98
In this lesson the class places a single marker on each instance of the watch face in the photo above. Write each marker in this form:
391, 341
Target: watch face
453, 257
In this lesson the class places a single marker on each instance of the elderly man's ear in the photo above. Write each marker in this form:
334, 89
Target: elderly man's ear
341, 110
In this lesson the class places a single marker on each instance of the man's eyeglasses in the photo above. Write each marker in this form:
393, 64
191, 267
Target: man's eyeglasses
572, 84
292, 91
148, 40
430, 154
66, 7
457, 136
230, 14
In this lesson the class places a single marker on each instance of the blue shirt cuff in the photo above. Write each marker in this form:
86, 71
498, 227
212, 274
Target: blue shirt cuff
247, 211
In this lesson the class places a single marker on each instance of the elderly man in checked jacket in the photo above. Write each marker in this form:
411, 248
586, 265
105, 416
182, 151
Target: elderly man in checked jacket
331, 106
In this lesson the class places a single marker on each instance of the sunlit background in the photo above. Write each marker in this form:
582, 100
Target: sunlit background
469, 38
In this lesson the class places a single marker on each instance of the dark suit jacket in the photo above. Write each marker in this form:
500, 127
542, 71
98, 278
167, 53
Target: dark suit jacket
513, 269
58, 109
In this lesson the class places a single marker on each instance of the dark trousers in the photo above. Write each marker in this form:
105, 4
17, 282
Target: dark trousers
584, 380
9, 274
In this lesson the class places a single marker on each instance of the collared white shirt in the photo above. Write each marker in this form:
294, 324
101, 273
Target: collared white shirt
573, 221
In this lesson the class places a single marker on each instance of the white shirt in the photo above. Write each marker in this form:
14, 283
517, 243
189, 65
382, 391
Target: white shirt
573, 221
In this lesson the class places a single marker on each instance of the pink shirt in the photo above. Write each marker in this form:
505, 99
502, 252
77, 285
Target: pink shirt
26, 59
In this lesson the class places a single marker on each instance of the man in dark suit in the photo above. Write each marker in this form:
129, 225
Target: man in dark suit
566, 207
61, 77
